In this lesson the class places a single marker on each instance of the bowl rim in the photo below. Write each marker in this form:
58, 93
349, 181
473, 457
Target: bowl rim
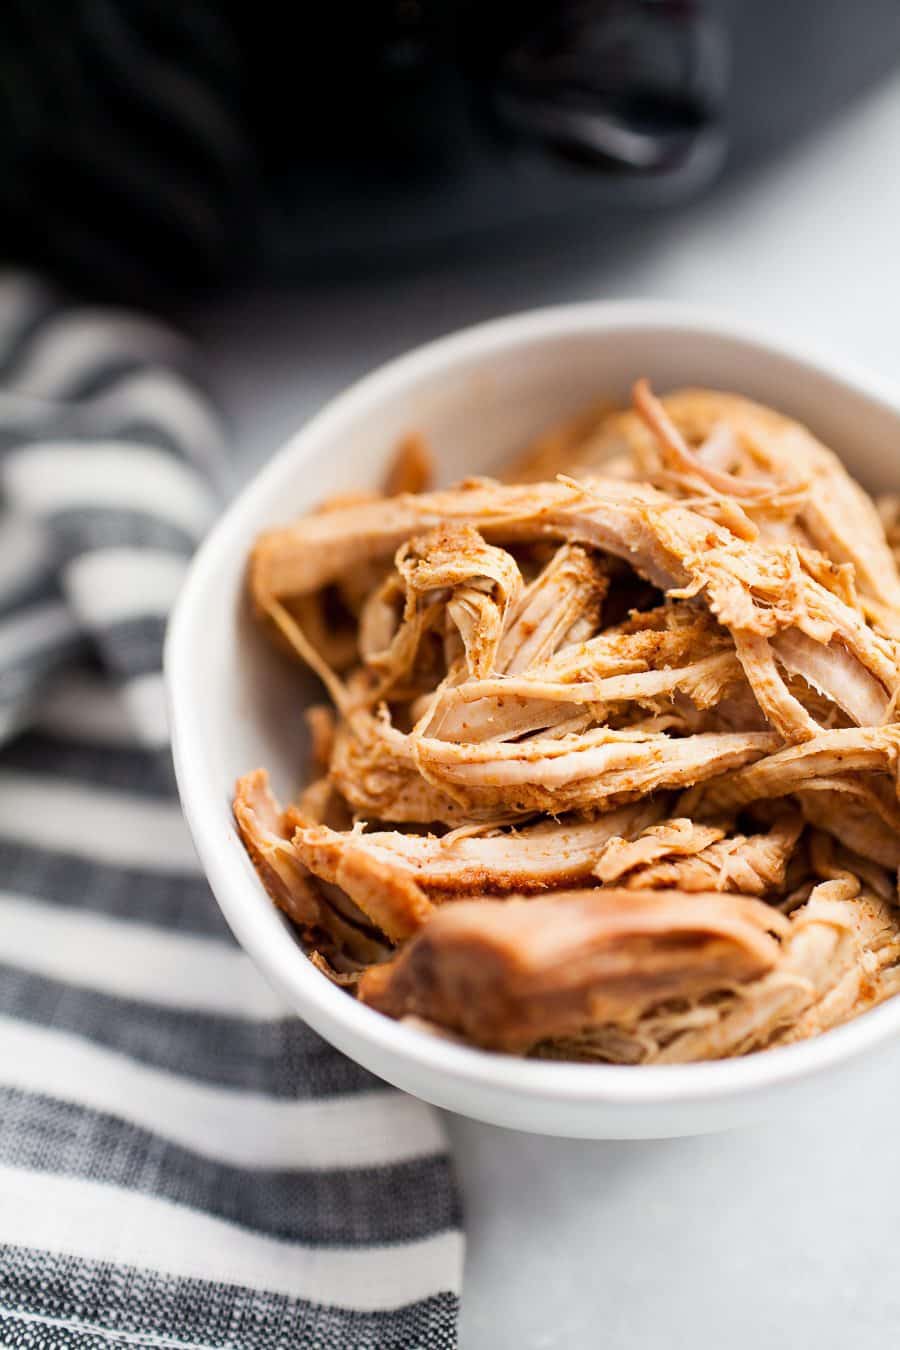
344, 1020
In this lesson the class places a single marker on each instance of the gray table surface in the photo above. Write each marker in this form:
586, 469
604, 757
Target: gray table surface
783, 1235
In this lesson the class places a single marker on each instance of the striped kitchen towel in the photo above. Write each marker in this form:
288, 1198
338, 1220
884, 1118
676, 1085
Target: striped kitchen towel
182, 1162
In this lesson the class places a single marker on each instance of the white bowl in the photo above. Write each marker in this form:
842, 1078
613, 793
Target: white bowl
234, 704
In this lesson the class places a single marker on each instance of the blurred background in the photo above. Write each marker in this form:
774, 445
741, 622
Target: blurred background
311, 191
153, 150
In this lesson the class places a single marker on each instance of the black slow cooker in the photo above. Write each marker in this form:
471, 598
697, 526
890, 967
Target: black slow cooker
151, 147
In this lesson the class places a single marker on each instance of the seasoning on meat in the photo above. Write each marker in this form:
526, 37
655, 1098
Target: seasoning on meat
612, 767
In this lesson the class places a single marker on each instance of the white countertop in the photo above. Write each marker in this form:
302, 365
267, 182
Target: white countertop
779, 1236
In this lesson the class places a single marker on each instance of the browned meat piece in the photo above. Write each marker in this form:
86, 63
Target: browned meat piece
830, 754
412, 468
558, 449
839, 956
753, 864
782, 711
670, 648
267, 840
532, 858
658, 639
570, 588
322, 912
837, 517
501, 709
393, 638
594, 769
375, 771
739, 447
676, 838
456, 555
335, 641
678, 455
867, 972
481, 583
861, 820
385, 774
321, 726
830, 670
318, 804
388, 895
380, 619
888, 508
509, 974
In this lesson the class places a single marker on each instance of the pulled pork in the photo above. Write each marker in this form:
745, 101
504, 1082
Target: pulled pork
611, 771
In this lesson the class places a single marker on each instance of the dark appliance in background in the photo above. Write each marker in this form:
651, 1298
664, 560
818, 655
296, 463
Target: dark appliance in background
149, 149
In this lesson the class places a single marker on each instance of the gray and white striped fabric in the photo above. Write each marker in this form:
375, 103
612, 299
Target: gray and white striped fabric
182, 1163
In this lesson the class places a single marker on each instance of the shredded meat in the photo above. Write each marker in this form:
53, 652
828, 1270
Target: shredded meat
678, 837
412, 469
569, 590
405, 868
835, 755
267, 839
611, 765
690, 857
840, 956
509, 974
584, 769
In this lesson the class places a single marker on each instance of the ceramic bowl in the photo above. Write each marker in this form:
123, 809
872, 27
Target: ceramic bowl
235, 704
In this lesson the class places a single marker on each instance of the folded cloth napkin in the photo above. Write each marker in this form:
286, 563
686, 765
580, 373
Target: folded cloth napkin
182, 1162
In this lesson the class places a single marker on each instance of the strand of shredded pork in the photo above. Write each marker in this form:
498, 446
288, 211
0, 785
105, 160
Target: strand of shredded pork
609, 769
